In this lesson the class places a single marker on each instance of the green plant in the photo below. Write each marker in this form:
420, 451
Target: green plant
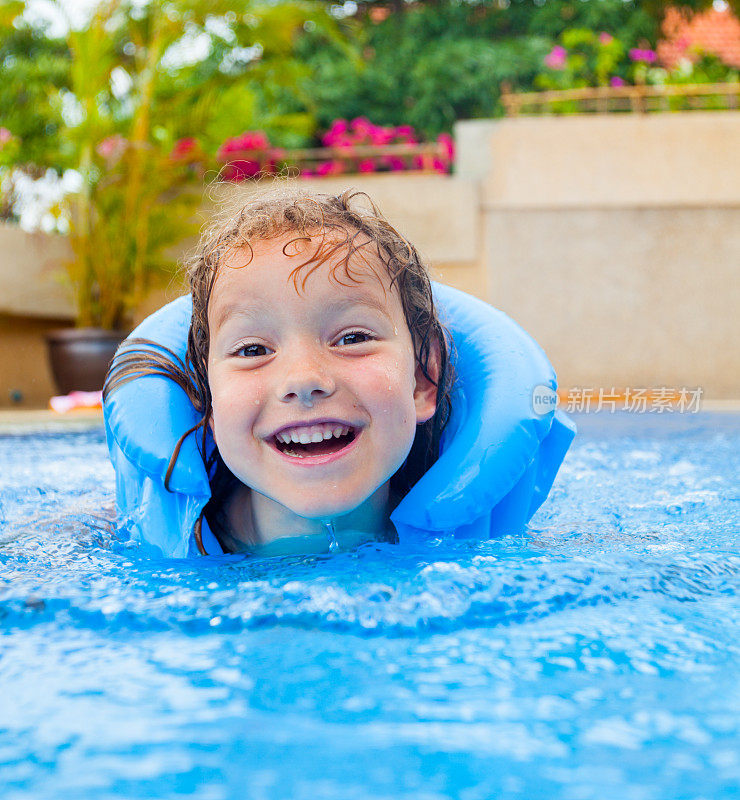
583, 58
122, 100
135, 198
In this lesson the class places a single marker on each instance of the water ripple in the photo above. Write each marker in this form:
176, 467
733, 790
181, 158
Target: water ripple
599, 648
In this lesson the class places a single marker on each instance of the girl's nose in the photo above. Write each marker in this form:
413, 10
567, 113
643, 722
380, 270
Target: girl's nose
306, 383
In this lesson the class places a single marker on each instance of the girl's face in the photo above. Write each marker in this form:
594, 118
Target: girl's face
316, 392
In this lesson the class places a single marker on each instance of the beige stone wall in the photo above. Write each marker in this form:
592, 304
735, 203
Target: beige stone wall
615, 160
625, 297
614, 239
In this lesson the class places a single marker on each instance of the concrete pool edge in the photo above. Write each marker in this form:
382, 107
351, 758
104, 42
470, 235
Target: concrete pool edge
32, 420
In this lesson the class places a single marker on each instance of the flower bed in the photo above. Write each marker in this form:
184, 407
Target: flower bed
586, 59
357, 146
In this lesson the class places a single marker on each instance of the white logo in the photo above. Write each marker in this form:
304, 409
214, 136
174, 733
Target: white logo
544, 400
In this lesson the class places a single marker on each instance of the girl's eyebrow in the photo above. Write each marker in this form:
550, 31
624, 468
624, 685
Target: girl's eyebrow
360, 299
250, 310
256, 307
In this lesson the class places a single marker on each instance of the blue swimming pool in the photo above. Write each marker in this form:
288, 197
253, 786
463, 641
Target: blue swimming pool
596, 657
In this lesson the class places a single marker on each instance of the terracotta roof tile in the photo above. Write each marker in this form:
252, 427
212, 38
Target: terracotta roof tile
715, 31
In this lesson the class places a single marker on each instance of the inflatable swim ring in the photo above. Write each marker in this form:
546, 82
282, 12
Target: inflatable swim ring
498, 455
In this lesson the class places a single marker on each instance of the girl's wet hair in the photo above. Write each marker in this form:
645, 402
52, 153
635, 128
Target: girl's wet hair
346, 229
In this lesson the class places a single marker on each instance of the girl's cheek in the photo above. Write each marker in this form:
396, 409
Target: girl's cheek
234, 396
392, 390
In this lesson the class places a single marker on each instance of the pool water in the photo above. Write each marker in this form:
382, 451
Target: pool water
598, 656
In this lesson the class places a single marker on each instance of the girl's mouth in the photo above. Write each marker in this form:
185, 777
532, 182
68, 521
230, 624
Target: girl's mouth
329, 446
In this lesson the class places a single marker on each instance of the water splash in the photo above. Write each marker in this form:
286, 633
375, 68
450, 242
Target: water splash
528, 664
331, 536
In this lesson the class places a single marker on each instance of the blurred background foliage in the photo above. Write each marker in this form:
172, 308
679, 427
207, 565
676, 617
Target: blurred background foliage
428, 63
127, 102
291, 68
205, 67
135, 99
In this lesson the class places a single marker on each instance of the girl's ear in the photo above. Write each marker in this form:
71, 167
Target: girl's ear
425, 390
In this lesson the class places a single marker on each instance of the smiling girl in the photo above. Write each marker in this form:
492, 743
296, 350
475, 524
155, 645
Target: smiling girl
318, 364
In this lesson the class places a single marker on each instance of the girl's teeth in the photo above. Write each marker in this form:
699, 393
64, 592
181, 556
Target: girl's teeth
316, 433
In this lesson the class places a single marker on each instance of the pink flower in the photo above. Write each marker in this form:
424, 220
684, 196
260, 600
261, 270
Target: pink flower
5, 136
605, 38
254, 140
339, 135
555, 59
184, 147
362, 125
334, 136
111, 147
382, 136
617, 81
360, 131
639, 54
240, 170
448, 145
249, 140
339, 126
328, 168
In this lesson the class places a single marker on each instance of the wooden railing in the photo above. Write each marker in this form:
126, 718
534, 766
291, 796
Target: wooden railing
636, 99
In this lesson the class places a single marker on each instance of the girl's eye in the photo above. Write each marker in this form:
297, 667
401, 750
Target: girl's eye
252, 350
354, 337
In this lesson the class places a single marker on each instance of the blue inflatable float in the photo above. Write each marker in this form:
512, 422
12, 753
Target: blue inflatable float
499, 454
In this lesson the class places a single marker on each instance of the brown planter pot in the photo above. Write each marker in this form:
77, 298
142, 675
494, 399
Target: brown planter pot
79, 357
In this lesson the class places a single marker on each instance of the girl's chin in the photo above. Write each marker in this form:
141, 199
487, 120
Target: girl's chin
325, 512
321, 507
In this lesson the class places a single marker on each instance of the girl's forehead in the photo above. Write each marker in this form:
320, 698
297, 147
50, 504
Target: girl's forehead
279, 276
299, 261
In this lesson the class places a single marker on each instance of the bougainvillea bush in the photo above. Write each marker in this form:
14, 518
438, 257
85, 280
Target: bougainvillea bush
248, 155
251, 154
360, 132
